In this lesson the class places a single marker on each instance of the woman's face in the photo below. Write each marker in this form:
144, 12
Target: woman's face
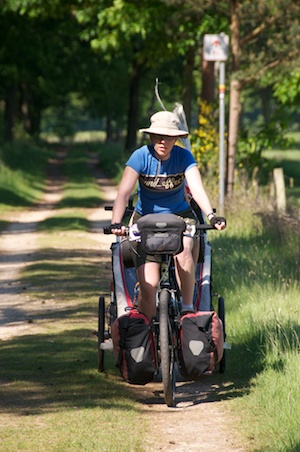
163, 145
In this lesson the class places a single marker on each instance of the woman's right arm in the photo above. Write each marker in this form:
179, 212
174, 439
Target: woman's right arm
126, 187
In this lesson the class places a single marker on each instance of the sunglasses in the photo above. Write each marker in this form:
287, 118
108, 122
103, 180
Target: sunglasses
162, 137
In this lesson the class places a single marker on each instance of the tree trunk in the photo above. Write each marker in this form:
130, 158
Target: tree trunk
132, 121
25, 107
35, 128
233, 128
234, 98
108, 129
9, 112
188, 84
29, 112
266, 96
208, 81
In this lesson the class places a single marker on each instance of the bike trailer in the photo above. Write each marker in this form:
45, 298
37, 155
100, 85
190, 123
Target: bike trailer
133, 346
124, 277
202, 343
202, 293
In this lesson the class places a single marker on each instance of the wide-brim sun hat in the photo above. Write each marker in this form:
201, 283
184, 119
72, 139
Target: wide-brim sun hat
165, 123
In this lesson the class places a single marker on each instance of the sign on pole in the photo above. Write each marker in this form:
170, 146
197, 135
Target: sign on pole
216, 47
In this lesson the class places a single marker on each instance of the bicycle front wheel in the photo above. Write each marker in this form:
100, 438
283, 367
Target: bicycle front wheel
167, 352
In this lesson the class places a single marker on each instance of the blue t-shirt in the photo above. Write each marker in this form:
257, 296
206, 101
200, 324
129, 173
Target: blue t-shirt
161, 182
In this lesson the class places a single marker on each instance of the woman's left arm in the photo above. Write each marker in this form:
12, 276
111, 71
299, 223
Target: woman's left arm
199, 194
197, 190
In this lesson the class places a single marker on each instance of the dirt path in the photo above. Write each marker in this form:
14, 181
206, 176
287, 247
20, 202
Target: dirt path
19, 243
201, 420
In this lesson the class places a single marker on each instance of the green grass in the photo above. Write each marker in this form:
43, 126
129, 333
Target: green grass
66, 221
80, 188
112, 159
89, 136
52, 397
23, 168
22, 173
295, 137
257, 270
289, 160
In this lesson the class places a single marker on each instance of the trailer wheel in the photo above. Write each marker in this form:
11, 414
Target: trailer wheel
101, 332
221, 314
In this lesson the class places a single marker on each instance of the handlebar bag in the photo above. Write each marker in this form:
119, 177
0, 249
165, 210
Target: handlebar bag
133, 346
161, 233
202, 343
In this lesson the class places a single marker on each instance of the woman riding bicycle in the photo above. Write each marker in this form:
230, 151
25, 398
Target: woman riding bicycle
162, 170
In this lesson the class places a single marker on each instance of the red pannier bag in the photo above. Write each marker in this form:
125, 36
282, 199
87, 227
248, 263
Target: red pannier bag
202, 343
134, 349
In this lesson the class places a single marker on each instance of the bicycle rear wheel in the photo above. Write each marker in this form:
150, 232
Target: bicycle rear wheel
167, 352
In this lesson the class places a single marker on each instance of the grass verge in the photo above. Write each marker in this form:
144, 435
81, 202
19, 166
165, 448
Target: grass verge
289, 160
22, 174
259, 277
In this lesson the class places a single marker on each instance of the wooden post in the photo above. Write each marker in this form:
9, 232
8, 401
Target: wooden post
279, 189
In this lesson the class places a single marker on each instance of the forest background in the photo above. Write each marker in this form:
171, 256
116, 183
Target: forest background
92, 64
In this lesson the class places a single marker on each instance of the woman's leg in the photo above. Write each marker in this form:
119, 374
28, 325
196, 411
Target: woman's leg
185, 271
196, 250
148, 276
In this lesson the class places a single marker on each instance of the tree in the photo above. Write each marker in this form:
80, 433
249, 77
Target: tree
287, 89
126, 34
132, 31
264, 36
44, 60
150, 35
41, 60
265, 41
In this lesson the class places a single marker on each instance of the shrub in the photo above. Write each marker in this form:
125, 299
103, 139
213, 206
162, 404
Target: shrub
205, 141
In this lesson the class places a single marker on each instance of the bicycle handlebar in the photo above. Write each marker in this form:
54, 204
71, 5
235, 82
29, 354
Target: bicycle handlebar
200, 227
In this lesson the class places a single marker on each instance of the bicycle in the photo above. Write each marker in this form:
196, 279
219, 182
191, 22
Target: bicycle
167, 324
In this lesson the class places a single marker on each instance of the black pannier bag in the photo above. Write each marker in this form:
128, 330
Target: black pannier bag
134, 349
161, 233
202, 343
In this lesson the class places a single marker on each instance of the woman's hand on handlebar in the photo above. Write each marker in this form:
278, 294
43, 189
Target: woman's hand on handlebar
218, 222
118, 229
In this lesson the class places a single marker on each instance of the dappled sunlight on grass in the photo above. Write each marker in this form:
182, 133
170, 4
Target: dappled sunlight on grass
271, 410
258, 258
47, 378
19, 190
289, 160
72, 273
22, 173
65, 222
60, 369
